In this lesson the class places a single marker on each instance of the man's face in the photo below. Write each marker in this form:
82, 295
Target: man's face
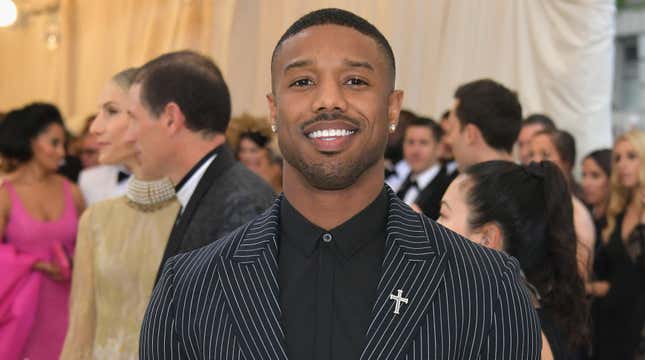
90, 151
147, 132
332, 104
524, 141
420, 149
455, 137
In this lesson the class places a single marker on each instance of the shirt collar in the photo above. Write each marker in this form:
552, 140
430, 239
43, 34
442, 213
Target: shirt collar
368, 225
186, 187
426, 176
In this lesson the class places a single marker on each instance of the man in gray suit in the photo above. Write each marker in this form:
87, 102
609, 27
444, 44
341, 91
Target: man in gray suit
180, 109
339, 267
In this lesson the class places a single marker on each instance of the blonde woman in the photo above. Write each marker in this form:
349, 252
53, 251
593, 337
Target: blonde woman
619, 307
120, 244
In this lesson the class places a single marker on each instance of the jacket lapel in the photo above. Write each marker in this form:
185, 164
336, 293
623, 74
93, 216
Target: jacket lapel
220, 164
250, 283
413, 264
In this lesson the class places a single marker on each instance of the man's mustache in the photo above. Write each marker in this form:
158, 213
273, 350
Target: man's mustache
328, 116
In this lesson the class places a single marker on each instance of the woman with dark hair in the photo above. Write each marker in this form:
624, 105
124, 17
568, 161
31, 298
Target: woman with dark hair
251, 139
619, 304
38, 218
596, 171
519, 210
559, 147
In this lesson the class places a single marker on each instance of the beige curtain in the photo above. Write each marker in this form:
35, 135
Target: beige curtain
558, 54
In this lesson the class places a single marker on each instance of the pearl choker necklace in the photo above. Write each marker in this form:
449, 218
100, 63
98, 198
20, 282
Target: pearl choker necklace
149, 195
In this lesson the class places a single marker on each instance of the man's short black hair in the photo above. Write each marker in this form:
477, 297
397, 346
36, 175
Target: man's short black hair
493, 109
333, 16
194, 83
435, 128
540, 119
20, 127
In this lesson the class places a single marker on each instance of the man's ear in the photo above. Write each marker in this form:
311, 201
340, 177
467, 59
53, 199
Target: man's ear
473, 134
173, 118
272, 111
394, 103
492, 236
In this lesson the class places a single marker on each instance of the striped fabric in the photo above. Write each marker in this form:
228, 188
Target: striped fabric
464, 301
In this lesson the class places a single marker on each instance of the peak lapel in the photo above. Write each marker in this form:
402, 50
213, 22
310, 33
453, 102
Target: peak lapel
412, 264
250, 283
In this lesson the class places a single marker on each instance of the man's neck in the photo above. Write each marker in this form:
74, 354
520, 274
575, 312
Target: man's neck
191, 153
487, 154
330, 208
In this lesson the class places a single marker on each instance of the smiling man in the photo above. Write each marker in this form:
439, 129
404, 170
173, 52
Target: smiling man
339, 267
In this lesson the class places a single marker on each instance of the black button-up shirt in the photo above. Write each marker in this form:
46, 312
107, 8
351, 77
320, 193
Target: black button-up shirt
328, 281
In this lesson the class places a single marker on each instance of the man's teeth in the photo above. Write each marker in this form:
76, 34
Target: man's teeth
330, 133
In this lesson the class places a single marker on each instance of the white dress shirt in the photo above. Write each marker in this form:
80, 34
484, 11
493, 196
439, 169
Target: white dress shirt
186, 192
100, 183
423, 179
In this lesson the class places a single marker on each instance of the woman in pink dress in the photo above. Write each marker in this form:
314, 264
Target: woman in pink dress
39, 212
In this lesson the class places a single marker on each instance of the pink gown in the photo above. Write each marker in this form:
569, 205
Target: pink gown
37, 238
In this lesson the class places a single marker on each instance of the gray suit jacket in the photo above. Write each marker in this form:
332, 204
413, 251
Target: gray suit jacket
227, 196
464, 301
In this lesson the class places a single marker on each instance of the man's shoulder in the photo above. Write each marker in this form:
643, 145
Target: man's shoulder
222, 249
467, 256
205, 260
240, 186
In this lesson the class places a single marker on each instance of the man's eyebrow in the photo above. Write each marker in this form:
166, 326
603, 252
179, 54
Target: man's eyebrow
297, 64
361, 64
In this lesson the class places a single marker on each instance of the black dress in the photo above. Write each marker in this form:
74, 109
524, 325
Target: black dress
557, 340
618, 317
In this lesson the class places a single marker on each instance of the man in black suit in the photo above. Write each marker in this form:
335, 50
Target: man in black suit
339, 267
180, 109
428, 179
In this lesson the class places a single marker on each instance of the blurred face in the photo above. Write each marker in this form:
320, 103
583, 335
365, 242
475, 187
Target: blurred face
455, 212
90, 151
149, 134
627, 164
455, 138
48, 147
524, 141
543, 149
110, 126
420, 150
332, 104
445, 149
595, 183
251, 155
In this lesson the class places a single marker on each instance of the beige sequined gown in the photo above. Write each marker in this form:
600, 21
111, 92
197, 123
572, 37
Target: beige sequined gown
120, 244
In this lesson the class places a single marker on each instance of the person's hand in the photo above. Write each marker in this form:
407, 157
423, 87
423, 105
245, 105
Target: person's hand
598, 288
51, 270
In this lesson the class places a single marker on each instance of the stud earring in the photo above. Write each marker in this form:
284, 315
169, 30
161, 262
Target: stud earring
392, 127
274, 128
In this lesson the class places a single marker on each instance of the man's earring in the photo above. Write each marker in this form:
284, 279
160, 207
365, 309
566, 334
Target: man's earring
392, 128
274, 128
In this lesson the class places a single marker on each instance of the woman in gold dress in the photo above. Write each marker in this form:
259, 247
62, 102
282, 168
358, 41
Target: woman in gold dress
120, 244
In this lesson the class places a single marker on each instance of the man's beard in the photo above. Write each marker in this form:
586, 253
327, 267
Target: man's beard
331, 175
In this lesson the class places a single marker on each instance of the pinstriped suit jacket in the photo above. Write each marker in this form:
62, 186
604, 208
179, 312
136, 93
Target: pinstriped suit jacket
464, 301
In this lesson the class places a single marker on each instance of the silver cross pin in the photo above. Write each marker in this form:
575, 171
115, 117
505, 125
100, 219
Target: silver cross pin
399, 299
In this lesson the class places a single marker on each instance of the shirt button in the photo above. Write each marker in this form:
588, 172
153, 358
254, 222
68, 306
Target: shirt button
327, 237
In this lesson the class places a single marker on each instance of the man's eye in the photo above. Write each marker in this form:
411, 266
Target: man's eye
356, 82
302, 83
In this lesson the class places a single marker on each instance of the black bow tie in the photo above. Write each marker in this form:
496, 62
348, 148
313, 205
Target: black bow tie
407, 185
122, 176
